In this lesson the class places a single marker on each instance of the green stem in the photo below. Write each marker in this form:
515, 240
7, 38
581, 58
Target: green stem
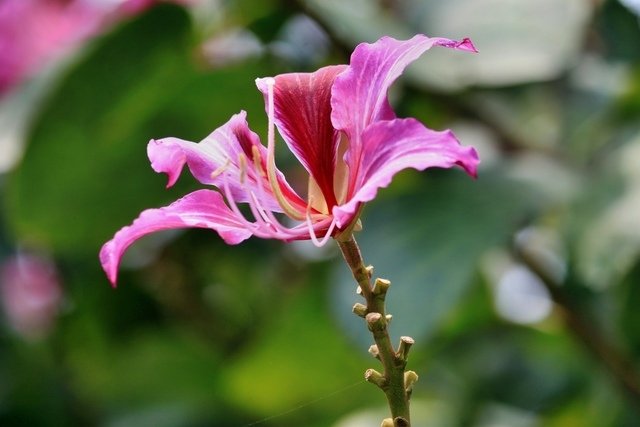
392, 380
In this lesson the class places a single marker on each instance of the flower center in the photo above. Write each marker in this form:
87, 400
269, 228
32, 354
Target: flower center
316, 197
316, 200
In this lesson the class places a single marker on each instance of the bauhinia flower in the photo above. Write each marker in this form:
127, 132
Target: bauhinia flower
339, 124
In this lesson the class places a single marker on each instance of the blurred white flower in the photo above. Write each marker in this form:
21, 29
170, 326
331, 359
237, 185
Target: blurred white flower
632, 5
233, 46
521, 297
302, 42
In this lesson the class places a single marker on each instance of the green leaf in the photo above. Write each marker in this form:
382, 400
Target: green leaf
518, 42
85, 163
300, 359
427, 243
85, 173
629, 314
619, 30
603, 222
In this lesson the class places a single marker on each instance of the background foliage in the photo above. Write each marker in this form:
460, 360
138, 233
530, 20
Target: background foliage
521, 288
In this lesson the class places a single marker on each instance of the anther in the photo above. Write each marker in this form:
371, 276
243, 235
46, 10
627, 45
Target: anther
242, 164
216, 173
257, 160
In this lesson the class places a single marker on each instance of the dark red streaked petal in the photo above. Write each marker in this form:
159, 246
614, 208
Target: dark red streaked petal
303, 117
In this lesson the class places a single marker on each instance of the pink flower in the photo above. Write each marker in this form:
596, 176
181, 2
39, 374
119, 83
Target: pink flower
31, 294
35, 33
338, 123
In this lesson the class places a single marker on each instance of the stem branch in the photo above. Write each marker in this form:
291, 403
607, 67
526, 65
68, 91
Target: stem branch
392, 380
618, 365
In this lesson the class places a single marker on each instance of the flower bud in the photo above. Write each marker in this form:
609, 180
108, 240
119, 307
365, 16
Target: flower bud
375, 377
381, 286
410, 378
359, 309
375, 321
374, 351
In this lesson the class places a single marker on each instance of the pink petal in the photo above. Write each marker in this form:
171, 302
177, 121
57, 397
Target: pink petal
200, 209
359, 94
394, 145
218, 157
302, 103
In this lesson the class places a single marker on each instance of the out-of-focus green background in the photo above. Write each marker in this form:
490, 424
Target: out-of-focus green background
521, 288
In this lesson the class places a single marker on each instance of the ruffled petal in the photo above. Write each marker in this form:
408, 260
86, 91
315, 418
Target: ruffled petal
302, 104
232, 152
359, 94
394, 145
200, 209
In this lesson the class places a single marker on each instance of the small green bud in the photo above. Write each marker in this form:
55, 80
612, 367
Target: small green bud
375, 377
375, 322
369, 270
359, 309
403, 349
373, 350
381, 286
410, 378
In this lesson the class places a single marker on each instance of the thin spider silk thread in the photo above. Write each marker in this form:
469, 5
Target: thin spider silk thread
304, 405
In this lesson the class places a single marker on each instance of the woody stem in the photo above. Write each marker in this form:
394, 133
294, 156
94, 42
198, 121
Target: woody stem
392, 380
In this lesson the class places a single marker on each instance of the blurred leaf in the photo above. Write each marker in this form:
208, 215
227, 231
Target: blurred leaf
221, 293
427, 243
30, 380
629, 314
300, 358
620, 31
544, 369
531, 116
604, 221
357, 21
628, 107
519, 41
85, 161
85, 173
150, 367
433, 412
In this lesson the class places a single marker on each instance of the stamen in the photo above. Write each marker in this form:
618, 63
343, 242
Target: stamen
251, 226
256, 208
260, 209
264, 217
271, 161
266, 225
242, 165
270, 217
257, 161
312, 232
216, 173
